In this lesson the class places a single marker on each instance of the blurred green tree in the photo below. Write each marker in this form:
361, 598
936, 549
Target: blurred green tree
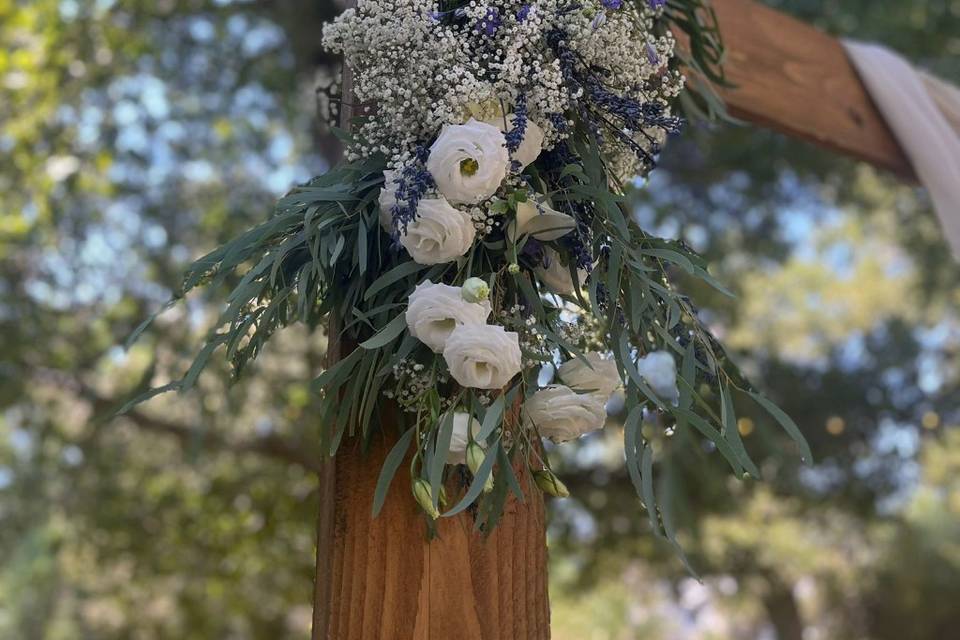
136, 135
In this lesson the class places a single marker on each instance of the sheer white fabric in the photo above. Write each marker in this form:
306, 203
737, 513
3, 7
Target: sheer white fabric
924, 114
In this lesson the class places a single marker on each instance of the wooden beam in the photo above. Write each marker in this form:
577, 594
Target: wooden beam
796, 79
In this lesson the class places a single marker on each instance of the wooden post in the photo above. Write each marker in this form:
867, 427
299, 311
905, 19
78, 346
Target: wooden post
381, 579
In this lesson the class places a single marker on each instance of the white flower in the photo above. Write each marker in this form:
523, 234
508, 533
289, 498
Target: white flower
660, 371
539, 221
469, 161
439, 234
388, 198
475, 290
435, 310
457, 454
556, 275
600, 377
482, 357
562, 414
530, 145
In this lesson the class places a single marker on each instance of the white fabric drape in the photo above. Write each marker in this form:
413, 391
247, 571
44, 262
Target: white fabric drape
924, 114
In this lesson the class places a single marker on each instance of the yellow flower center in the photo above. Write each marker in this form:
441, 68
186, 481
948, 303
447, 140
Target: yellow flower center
469, 166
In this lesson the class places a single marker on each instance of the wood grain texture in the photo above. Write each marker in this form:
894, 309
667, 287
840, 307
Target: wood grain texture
793, 78
387, 581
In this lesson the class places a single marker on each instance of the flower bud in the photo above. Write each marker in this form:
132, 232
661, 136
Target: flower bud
443, 497
475, 290
421, 491
513, 268
488, 484
475, 456
550, 483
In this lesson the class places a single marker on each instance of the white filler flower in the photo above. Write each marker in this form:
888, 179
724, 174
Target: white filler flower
532, 142
562, 414
660, 371
440, 233
457, 454
469, 161
557, 275
482, 357
435, 310
597, 376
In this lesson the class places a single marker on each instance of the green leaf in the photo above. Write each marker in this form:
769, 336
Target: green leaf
674, 257
399, 272
479, 480
440, 450
389, 469
688, 374
632, 444
732, 433
492, 417
146, 395
666, 486
388, 334
788, 425
646, 479
506, 472
714, 436
146, 323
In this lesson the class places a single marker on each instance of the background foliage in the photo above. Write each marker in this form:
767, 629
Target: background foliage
137, 135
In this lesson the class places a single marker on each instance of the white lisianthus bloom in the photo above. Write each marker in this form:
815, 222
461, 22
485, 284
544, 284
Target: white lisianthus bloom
660, 372
482, 357
530, 145
457, 454
597, 376
562, 414
469, 161
439, 234
435, 310
388, 198
556, 275
541, 222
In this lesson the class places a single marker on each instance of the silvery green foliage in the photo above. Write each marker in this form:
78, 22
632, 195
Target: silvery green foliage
566, 275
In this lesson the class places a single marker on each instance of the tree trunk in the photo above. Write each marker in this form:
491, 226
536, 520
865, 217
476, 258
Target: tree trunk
380, 578
782, 610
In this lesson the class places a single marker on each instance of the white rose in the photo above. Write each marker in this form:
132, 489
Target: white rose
660, 371
530, 145
562, 414
439, 234
435, 310
457, 454
482, 357
469, 161
541, 222
556, 275
388, 198
600, 377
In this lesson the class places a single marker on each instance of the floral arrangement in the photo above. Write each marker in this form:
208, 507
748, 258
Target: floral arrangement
475, 251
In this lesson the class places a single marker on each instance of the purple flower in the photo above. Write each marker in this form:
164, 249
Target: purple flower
614, 4
656, 4
652, 54
489, 23
523, 12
